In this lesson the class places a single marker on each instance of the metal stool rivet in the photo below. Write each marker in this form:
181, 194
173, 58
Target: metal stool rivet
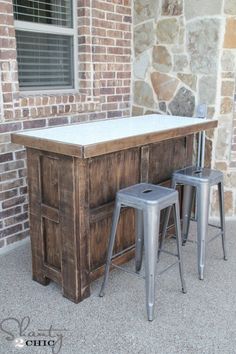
148, 201
200, 180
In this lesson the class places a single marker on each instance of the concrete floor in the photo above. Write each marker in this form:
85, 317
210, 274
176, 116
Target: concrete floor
202, 321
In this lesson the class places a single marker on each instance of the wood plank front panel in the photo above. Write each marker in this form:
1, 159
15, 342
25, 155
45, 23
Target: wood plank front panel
49, 169
52, 243
99, 236
152, 163
168, 156
111, 172
72, 202
108, 174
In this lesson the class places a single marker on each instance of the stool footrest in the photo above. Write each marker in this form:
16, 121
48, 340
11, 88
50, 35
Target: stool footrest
209, 224
167, 252
214, 237
142, 276
123, 252
215, 226
128, 271
168, 267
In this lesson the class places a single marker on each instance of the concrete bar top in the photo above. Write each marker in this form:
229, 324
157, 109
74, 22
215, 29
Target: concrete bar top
99, 137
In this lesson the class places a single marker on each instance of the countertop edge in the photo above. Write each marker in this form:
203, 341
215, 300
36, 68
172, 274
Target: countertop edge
48, 145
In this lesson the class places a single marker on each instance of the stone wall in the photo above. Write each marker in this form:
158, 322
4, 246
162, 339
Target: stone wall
225, 152
184, 55
104, 80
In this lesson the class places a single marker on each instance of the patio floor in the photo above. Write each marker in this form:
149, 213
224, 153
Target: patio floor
201, 321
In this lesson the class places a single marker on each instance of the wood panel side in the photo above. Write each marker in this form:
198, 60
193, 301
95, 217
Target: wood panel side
81, 210
36, 229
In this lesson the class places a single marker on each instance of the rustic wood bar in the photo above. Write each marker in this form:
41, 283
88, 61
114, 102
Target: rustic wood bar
74, 173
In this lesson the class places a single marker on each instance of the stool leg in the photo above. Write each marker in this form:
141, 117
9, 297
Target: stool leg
203, 199
166, 222
179, 248
222, 217
151, 230
187, 208
115, 220
164, 230
139, 239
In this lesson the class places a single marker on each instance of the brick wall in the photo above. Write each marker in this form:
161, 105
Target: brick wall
104, 75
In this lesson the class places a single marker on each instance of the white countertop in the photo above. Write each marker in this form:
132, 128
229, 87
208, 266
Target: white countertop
111, 129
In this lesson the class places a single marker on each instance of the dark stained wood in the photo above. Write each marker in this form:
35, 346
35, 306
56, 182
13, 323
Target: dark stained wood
49, 167
111, 172
81, 218
36, 230
52, 243
168, 156
69, 264
99, 236
71, 207
57, 190
50, 213
144, 164
52, 273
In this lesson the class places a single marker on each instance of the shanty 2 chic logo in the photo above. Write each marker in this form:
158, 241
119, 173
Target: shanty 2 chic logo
19, 333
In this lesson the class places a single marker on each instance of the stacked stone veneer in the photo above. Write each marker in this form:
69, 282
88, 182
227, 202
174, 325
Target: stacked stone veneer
104, 80
184, 55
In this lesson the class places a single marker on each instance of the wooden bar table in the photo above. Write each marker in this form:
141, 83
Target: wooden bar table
74, 173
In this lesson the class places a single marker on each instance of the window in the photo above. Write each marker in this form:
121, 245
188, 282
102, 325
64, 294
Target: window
46, 41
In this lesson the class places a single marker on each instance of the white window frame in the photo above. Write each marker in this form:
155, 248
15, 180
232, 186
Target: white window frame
51, 29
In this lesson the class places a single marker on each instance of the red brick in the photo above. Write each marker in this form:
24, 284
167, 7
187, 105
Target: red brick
109, 47
12, 202
123, 10
6, 8
6, 157
10, 230
103, 6
17, 237
15, 219
112, 114
20, 155
8, 194
9, 184
9, 212
37, 123
58, 121
9, 127
9, 166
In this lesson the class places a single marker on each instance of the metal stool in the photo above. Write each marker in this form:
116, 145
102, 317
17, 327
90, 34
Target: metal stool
148, 200
202, 179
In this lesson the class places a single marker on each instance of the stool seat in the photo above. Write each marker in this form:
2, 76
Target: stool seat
144, 193
196, 174
148, 200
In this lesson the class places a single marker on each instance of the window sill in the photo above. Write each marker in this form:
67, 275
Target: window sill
59, 92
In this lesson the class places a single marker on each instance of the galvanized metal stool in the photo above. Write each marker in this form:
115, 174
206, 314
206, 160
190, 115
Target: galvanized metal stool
148, 200
202, 179
199, 179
